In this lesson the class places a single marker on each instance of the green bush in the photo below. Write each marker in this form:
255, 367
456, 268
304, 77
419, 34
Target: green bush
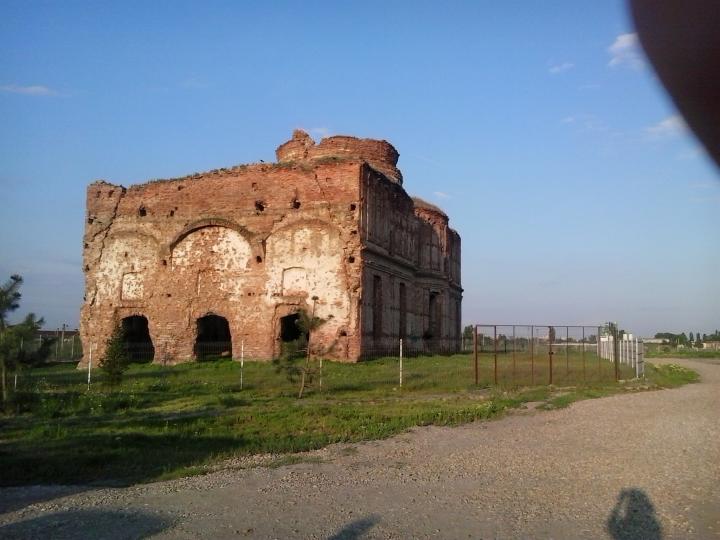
115, 362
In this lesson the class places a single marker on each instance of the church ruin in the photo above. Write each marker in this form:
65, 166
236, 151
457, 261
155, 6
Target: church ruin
228, 258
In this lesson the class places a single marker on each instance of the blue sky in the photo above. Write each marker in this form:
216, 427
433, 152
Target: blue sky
538, 126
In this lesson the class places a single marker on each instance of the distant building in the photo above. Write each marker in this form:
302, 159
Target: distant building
712, 345
656, 341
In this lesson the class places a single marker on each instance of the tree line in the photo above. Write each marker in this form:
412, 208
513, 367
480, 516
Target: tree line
688, 340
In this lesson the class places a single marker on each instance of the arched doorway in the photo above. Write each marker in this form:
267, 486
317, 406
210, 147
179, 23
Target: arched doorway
293, 340
136, 339
213, 338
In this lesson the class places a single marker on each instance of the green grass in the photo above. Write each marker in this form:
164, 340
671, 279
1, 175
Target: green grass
670, 375
164, 423
681, 353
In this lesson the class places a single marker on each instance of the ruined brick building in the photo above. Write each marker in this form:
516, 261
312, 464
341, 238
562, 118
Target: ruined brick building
228, 258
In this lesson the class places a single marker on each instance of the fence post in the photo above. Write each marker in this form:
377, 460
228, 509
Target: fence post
242, 361
475, 354
532, 355
598, 344
513, 353
22, 342
551, 338
583, 352
495, 352
616, 351
401, 362
635, 357
89, 366
567, 352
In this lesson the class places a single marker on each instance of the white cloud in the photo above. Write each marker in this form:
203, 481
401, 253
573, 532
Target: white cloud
568, 120
626, 51
559, 68
442, 195
33, 90
670, 126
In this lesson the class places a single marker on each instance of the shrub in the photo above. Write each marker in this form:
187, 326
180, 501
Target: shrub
115, 361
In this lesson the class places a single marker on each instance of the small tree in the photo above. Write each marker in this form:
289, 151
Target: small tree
11, 337
115, 362
291, 363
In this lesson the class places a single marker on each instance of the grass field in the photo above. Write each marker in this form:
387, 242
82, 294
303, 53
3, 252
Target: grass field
681, 353
175, 421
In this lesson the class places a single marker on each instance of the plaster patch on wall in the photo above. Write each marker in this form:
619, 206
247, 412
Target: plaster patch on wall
307, 260
294, 281
123, 255
212, 260
132, 286
213, 247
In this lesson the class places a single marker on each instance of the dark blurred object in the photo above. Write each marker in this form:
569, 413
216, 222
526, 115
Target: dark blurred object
682, 40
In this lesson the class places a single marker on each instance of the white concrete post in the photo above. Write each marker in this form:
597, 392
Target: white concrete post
89, 367
22, 341
635, 357
242, 362
641, 360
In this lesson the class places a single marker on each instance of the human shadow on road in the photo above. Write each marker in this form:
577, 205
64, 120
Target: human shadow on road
356, 529
633, 517
73, 524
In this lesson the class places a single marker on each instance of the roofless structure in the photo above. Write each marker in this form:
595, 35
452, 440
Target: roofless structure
227, 258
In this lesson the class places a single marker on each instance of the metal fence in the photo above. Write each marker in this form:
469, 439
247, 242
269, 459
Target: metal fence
56, 348
492, 355
409, 347
555, 354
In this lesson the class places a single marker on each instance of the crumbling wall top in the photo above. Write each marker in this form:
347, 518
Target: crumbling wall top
381, 155
429, 211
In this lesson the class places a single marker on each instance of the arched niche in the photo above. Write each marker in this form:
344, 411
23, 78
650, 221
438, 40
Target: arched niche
211, 260
212, 247
306, 259
209, 222
127, 263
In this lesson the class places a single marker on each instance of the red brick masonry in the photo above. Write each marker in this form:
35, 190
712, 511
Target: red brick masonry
254, 243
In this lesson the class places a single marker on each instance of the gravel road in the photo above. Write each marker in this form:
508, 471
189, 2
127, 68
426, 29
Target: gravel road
644, 465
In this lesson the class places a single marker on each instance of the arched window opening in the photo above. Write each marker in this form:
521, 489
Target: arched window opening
136, 339
213, 338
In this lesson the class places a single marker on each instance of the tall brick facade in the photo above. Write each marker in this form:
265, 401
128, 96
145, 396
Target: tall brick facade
254, 244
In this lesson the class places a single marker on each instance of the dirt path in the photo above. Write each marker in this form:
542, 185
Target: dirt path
641, 465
